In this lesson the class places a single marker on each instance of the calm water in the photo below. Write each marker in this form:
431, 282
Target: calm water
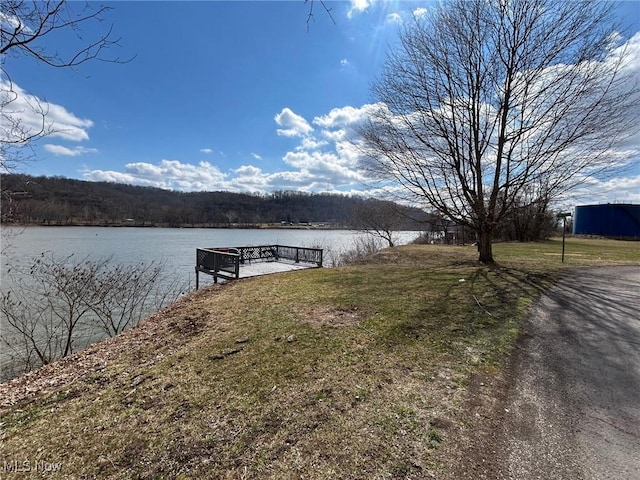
175, 248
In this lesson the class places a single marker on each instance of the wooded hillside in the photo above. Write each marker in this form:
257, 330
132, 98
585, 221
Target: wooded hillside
63, 201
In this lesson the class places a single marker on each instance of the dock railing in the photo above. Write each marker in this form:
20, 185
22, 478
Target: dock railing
225, 262
219, 262
300, 254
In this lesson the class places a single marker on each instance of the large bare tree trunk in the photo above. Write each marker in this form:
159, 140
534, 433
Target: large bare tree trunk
485, 250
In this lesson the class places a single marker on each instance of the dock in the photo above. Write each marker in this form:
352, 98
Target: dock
231, 263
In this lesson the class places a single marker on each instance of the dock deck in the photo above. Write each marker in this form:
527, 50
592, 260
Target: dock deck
266, 268
231, 263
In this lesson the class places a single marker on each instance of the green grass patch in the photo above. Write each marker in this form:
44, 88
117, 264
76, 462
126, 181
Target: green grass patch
351, 372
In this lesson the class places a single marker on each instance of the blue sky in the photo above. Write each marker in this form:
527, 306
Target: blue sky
237, 96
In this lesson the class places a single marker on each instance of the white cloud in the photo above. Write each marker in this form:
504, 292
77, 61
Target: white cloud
35, 115
358, 6
120, 177
322, 162
13, 23
248, 171
309, 143
394, 18
340, 123
420, 12
326, 166
344, 63
335, 135
248, 178
619, 189
206, 151
345, 116
168, 174
60, 150
294, 125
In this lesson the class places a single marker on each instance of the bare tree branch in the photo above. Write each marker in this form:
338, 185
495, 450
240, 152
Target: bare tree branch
28, 29
310, 15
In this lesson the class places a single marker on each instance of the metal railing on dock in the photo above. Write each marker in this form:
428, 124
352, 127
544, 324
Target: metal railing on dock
225, 262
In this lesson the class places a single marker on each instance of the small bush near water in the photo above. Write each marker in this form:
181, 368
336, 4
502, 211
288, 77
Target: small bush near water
55, 306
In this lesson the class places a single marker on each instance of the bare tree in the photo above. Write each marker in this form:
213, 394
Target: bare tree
45, 304
380, 219
486, 99
26, 27
529, 220
231, 216
125, 294
58, 305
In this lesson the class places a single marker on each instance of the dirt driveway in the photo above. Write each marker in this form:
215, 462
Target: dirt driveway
570, 408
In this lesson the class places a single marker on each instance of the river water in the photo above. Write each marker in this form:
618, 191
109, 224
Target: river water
174, 248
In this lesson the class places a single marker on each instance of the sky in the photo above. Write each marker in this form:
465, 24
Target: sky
238, 96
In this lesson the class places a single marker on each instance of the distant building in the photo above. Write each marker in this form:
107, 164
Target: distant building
617, 220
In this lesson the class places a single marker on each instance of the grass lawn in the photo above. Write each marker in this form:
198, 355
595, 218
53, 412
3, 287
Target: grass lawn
363, 371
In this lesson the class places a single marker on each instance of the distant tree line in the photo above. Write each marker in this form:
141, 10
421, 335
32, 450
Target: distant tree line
62, 201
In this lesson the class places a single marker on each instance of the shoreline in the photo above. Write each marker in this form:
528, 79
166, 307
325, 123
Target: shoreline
261, 226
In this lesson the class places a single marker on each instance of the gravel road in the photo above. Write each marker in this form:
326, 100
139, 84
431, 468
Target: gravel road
570, 407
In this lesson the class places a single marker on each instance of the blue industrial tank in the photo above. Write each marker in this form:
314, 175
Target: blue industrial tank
619, 220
